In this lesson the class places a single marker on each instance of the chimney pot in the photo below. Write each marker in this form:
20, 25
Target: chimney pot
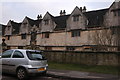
38, 17
81, 9
64, 13
61, 12
84, 9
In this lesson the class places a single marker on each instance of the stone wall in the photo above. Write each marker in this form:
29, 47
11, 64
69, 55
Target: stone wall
88, 58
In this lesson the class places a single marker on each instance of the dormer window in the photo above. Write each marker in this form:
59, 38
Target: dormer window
76, 18
8, 27
25, 23
46, 22
115, 13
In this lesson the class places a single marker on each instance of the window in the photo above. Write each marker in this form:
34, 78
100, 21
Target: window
75, 33
115, 13
35, 55
70, 48
23, 36
25, 23
7, 54
8, 27
46, 22
8, 37
45, 35
20, 47
119, 13
113, 31
18, 54
48, 48
75, 18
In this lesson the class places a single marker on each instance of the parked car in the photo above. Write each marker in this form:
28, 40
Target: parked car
0, 55
24, 62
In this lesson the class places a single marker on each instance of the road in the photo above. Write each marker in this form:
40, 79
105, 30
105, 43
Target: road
48, 77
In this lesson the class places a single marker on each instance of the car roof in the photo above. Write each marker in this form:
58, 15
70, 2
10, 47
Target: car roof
27, 50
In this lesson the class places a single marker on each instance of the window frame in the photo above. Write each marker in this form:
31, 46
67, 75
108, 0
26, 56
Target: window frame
45, 35
7, 53
32, 55
75, 33
8, 37
76, 18
46, 22
19, 52
70, 48
23, 36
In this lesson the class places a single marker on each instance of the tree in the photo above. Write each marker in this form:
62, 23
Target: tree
104, 38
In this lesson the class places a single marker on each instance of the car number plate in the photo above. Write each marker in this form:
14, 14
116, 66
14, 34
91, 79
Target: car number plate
41, 69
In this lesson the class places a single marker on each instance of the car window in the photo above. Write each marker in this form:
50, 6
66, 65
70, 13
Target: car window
7, 54
35, 55
17, 54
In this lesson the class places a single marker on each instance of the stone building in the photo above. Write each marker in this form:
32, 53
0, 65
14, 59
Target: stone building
79, 31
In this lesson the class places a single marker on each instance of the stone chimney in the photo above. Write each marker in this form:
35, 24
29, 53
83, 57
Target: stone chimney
81, 9
84, 9
39, 17
61, 12
64, 13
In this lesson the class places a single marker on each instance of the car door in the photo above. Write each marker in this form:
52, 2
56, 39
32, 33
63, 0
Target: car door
16, 60
6, 56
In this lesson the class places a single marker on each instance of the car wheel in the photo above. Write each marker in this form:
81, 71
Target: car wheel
21, 74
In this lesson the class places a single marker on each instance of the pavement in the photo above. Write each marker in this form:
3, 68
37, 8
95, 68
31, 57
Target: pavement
78, 75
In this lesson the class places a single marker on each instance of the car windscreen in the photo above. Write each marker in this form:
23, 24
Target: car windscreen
35, 55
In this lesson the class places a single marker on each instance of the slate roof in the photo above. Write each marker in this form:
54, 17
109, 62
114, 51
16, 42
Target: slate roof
16, 27
95, 18
61, 22
3, 29
34, 22
37, 22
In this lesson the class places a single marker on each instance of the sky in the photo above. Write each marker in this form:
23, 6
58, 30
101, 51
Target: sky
16, 10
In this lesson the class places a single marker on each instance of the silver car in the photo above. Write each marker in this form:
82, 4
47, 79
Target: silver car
23, 62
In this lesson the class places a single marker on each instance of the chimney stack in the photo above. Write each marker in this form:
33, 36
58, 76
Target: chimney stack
61, 13
81, 9
84, 9
39, 17
64, 13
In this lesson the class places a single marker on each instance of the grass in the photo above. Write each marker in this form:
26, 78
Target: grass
84, 68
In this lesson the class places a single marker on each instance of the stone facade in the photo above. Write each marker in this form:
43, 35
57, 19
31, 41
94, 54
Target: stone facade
78, 31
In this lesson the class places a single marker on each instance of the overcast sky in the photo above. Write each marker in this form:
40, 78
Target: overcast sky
17, 10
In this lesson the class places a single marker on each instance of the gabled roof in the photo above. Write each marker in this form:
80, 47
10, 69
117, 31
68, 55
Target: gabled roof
33, 22
37, 22
16, 27
95, 18
61, 22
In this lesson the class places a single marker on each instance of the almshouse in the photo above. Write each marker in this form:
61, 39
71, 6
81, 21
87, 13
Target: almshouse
97, 30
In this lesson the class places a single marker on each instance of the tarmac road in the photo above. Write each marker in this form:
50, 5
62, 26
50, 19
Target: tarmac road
12, 77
